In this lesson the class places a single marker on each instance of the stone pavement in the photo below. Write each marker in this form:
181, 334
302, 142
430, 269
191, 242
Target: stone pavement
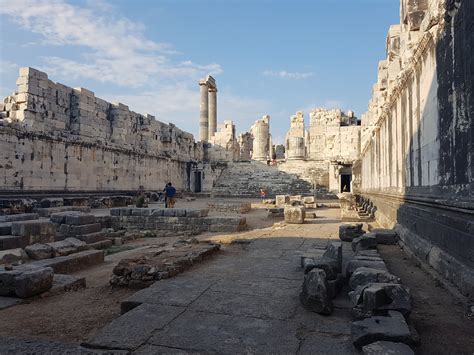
243, 301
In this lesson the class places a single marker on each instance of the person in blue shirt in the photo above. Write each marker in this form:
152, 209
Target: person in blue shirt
170, 193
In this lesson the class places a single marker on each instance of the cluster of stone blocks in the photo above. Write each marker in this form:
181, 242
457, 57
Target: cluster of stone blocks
306, 201
380, 303
174, 221
230, 206
82, 226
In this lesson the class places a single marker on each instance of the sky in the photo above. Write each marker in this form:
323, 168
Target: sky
268, 57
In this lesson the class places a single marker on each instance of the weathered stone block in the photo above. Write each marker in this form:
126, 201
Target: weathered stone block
157, 212
364, 242
25, 281
387, 347
169, 212
5, 228
80, 219
364, 276
33, 228
314, 295
13, 256
354, 264
68, 246
294, 214
39, 251
60, 217
19, 217
12, 242
385, 236
348, 232
381, 297
281, 200
334, 252
392, 328
33, 282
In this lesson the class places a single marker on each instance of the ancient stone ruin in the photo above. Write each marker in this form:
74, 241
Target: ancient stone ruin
352, 235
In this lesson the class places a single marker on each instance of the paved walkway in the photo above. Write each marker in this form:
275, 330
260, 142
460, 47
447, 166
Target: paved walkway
244, 301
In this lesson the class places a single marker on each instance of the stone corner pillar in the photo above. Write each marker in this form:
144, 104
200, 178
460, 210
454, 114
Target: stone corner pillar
203, 112
212, 111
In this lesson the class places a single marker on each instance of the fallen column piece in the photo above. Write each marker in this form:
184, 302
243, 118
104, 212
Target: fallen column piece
348, 232
314, 295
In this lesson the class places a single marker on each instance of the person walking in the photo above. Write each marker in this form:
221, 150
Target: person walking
170, 193
164, 194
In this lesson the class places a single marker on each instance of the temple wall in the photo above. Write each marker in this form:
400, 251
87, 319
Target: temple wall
416, 159
55, 138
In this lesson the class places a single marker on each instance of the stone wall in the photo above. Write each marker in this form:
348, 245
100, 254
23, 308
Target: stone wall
56, 138
416, 160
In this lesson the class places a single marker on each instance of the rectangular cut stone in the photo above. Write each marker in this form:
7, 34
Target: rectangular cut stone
80, 219
33, 228
146, 320
74, 262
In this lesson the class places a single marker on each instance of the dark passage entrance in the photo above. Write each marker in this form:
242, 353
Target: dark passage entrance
197, 181
346, 182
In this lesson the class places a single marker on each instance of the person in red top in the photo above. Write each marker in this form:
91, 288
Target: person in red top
263, 194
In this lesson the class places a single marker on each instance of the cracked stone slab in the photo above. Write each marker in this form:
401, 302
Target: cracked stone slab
41, 346
244, 305
326, 344
132, 329
6, 302
277, 289
209, 332
180, 291
148, 349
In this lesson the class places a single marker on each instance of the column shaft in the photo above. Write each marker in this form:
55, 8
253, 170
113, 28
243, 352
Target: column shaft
203, 113
212, 111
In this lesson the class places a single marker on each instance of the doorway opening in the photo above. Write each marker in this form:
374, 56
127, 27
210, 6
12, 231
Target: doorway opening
197, 181
346, 182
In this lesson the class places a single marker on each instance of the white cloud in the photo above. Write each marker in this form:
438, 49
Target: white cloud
7, 66
112, 48
288, 75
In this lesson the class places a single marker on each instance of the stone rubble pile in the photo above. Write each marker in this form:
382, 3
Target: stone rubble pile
381, 305
143, 271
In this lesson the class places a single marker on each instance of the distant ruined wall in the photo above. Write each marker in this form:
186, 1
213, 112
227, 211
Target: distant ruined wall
55, 138
418, 140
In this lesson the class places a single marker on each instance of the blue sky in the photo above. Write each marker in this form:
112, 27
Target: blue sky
268, 57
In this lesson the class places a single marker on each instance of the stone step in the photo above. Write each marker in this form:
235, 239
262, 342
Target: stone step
18, 217
12, 242
102, 244
33, 228
74, 262
77, 230
92, 237
6, 228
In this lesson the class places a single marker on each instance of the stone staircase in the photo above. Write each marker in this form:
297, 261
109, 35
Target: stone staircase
245, 179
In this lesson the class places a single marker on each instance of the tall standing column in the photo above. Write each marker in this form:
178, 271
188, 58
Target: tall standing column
203, 112
212, 111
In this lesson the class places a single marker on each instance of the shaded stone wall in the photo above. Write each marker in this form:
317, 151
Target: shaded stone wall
416, 160
55, 138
